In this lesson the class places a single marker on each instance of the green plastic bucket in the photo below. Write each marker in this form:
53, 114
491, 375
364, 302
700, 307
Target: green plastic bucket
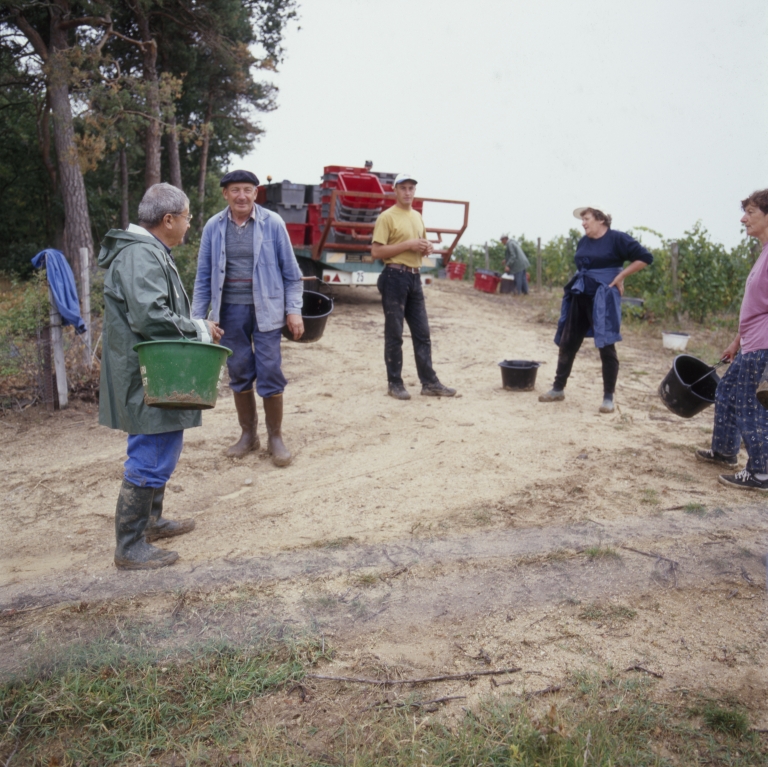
181, 375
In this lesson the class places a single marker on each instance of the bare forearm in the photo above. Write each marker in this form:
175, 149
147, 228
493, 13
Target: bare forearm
383, 252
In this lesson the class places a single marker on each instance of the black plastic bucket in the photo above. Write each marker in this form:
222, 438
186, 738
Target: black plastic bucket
689, 387
518, 375
314, 312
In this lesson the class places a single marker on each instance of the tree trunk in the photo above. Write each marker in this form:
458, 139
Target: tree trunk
77, 227
204, 163
152, 146
125, 215
174, 162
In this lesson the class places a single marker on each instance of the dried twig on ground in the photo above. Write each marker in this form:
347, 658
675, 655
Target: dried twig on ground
418, 703
424, 680
645, 670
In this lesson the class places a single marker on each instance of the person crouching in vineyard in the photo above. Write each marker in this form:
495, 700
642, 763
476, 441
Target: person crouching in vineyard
738, 414
592, 300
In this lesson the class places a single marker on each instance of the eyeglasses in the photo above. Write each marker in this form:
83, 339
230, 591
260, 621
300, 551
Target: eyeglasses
188, 216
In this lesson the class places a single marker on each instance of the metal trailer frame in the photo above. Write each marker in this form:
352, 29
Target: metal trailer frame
366, 270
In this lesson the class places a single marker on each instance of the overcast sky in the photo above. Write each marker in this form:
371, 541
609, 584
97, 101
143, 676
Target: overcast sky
656, 110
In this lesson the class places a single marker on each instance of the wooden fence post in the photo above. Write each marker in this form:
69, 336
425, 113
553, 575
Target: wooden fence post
471, 265
57, 342
538, 264
674, 257
487, 258
85, 289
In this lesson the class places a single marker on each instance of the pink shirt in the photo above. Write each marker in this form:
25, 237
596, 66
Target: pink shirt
753, 320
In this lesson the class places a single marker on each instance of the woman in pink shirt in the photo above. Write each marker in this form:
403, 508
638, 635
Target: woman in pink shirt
738, 414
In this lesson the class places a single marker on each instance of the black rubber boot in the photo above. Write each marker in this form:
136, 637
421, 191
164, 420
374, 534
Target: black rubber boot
132, 552
273, 415
245, 402
164, 528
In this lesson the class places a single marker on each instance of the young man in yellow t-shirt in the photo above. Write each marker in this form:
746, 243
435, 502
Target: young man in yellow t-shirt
400, 240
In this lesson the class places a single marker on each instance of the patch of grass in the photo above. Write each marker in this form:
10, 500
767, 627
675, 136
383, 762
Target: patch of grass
335, 543
209, 708
608, 613
695, 508
601, 552
727, 720
100, 711
649, 496
365, 580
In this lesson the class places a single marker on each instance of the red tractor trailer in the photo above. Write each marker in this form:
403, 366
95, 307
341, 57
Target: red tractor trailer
331, 224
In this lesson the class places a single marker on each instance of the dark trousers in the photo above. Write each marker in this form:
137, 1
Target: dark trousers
403, 300
739, 415
521, 283
255, 355
578, 322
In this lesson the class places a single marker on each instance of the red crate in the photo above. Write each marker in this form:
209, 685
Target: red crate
456, 270
313, 214
297, 233
486, 282
360, 182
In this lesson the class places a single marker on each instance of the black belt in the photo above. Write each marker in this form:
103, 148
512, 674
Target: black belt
404, 268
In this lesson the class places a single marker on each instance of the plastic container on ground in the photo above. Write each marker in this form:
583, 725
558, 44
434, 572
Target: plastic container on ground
674, 340
315, 312
456, 270
518, 375
486, 280
286, 193
181, 374
507, 284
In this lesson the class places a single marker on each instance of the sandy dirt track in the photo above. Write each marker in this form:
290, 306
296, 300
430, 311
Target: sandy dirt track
425, 534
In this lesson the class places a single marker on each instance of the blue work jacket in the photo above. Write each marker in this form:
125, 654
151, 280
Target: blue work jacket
606, 306
277, 286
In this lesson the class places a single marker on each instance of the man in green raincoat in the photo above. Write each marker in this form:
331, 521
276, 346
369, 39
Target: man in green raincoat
144, 300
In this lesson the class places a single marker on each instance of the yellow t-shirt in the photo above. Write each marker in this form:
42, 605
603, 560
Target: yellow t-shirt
396, 225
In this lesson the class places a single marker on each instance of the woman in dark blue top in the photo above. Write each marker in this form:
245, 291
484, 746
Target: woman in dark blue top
592, 300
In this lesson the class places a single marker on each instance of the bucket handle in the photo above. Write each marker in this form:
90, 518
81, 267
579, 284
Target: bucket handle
709, 372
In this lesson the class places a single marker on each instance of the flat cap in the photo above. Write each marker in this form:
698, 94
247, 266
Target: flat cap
239, 177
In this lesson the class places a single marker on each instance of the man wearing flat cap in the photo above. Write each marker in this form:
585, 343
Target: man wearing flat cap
248, 280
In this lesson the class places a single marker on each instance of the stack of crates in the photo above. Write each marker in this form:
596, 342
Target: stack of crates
288, 201
349, 209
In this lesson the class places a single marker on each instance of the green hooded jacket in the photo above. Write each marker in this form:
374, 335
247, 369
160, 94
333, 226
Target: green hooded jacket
144, 300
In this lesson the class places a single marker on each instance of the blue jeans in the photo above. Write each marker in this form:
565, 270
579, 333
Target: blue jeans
152, 458
739, 415
403, 300
521, 282
255, 355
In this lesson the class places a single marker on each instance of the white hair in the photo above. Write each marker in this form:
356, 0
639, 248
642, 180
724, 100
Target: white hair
160, 200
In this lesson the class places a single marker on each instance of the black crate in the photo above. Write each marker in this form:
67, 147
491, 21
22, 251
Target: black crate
312, 194
286, 193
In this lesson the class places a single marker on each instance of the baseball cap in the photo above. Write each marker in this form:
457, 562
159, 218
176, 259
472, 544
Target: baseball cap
579, 212
404, 177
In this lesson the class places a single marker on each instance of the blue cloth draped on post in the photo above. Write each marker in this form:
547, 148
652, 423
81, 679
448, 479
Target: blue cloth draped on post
62, 283
606, 308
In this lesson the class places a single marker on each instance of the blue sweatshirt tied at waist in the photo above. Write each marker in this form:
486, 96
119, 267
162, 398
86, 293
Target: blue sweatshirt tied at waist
606, 305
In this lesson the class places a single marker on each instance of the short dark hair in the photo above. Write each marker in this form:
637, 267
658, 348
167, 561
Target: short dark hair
598, 215
759, 199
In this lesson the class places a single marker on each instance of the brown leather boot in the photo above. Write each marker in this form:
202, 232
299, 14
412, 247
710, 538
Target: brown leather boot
158, 527
273, 412
245, 402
